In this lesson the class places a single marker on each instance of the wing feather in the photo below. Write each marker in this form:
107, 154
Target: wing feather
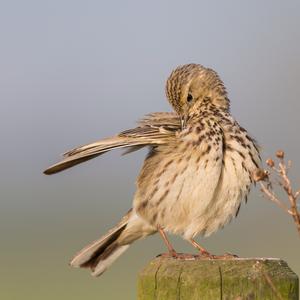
154, 129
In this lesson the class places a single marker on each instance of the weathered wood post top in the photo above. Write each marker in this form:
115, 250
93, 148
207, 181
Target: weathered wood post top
237, 279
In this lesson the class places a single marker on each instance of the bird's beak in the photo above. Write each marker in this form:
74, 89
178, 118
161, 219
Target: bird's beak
184, 116
183, 120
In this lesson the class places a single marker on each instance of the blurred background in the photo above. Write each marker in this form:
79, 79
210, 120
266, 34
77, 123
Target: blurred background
75, 71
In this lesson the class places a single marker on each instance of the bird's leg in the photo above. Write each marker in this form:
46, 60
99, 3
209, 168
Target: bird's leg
202, 250
171, 249
205, 253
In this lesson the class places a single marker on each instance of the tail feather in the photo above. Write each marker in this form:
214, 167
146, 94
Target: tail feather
87, 257
99, 255
107, 258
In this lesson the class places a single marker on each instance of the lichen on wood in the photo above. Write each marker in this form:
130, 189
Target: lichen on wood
238, 279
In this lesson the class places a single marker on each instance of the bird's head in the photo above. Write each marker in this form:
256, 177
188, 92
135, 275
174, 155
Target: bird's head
189, 86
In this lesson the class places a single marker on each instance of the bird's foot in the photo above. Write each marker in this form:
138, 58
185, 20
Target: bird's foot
226, 256
176, 255
223, 256
202, 255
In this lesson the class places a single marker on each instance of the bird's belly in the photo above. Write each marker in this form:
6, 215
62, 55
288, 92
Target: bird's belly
202, 198
217, 209
190, 197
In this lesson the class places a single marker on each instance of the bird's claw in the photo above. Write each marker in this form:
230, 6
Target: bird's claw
203, 255
176, 255
223, 256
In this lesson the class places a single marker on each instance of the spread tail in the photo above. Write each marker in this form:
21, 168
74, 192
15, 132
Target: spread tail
99, 255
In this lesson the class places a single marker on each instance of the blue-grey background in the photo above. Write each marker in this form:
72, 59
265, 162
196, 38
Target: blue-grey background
76, 71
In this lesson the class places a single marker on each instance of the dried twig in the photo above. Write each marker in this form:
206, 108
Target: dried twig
270, 195
281, 173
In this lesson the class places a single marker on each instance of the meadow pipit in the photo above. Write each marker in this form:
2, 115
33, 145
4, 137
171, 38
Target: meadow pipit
195, 176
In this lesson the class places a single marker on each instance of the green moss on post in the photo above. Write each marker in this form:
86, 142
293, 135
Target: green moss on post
238, 279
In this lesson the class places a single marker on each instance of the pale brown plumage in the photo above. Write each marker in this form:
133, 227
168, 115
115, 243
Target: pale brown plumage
154, 129
195, 176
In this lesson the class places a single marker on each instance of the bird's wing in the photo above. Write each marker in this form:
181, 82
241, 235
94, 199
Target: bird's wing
154, 129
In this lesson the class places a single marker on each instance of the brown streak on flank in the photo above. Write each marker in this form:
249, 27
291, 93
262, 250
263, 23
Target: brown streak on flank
167, 183
253, 142
242, 129
228, 147
238, 210
154, 217
206, 163
244, 167
241, 154
207, 150
188, 157
174, 178
198, 159
155, 190
184, 169
163, 196
168, 163
252, 159
143, 205
198, 129
163, 212
218, 139
240, 140
180, 191
234, 165
209, 136
160, 173
155, 183
200, 139
179, 159
250, 176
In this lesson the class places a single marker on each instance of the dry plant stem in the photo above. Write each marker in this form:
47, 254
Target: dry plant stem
271, 196
286, 185
291, 196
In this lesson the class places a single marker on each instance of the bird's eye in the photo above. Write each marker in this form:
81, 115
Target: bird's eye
189, 98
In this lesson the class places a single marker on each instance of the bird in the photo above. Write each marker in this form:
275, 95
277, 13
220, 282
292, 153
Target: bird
196, 174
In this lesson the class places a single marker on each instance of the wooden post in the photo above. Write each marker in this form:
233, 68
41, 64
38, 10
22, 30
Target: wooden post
230, 279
